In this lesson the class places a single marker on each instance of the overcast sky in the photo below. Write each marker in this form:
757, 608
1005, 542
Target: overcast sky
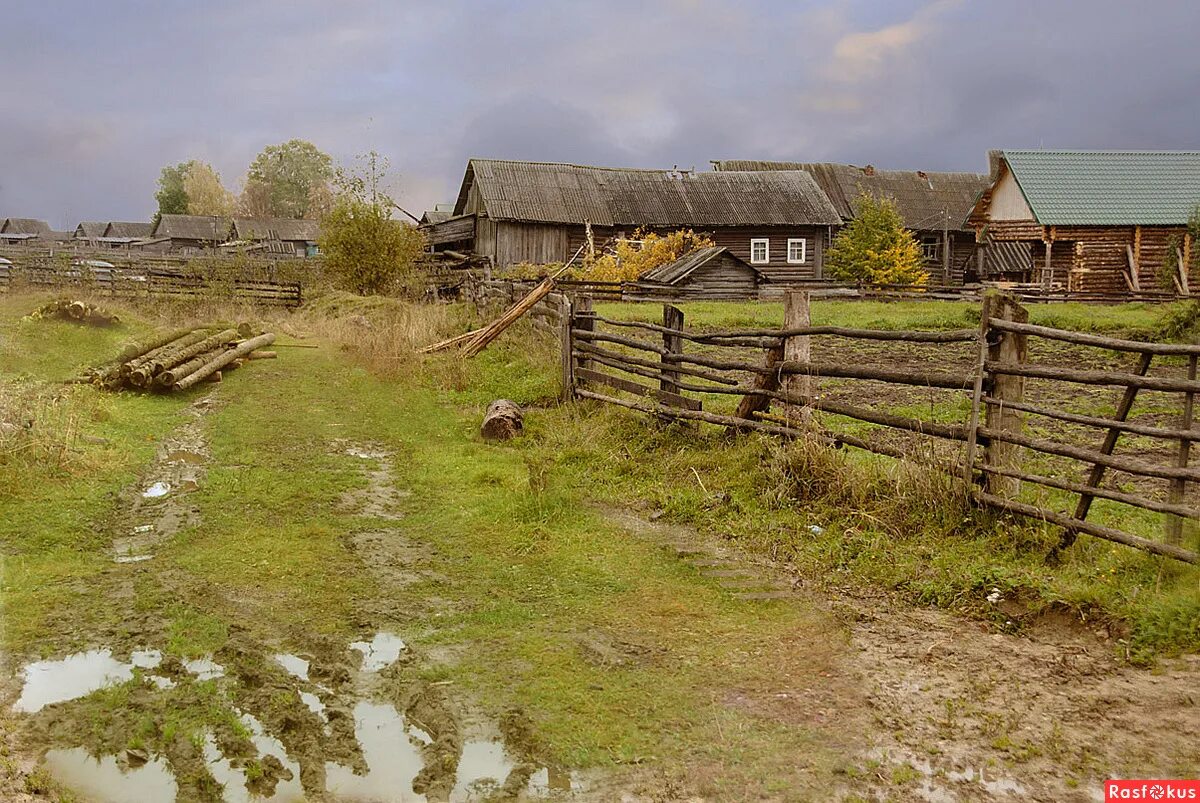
99, 96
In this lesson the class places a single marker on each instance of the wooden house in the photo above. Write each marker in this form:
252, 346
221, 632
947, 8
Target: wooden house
24, 231
933, 206
281, 236
709, 273
187, 234
1097, 221
513, 212
125, 234
89, 232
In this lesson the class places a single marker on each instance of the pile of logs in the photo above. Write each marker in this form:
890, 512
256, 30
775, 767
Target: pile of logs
78, 311
180, 359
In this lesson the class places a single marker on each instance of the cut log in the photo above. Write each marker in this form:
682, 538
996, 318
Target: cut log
502, 421
262, 355
223, 359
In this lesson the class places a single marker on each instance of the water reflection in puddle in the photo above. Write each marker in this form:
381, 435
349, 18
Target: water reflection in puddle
937, 776
156, 490
380, 652
294, 664
78, 675
204, 668
103, 780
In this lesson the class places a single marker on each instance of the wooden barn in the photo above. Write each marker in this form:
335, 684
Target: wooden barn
514, 212
187, 234
24, 231
1097, 221
89, 232
933, 206
710, 273
283, 236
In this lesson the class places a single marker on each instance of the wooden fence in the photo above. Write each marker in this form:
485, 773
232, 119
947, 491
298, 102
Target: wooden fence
157, 283
480, 289
1001, 421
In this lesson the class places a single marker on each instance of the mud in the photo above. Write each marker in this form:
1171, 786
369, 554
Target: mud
949, 709
157, 506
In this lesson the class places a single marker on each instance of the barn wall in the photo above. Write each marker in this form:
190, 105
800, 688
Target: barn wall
529, 242
778, 270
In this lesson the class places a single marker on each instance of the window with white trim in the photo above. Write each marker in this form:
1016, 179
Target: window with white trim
797, 251
760, 251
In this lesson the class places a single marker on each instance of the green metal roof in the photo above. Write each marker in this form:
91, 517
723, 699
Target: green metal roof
1108, 188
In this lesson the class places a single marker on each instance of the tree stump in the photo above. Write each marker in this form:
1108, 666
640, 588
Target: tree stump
502, 421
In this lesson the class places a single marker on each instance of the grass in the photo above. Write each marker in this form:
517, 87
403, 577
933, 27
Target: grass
522, 567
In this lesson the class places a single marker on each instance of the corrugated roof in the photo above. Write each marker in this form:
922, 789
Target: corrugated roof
562, 193
1108, 188
285, 229
212, 228
117, 228
922, 198
24, 225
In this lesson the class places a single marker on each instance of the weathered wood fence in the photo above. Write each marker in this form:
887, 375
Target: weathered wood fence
981, 376
153, 283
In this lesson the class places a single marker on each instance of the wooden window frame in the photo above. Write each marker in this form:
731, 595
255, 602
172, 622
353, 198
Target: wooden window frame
766, 243
803, 250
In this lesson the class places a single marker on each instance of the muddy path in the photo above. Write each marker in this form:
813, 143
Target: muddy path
949, 709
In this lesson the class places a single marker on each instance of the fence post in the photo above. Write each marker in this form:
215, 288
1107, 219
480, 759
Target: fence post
1179, 487
566, 346
582, 319
672, 319
1006, 348
798, 348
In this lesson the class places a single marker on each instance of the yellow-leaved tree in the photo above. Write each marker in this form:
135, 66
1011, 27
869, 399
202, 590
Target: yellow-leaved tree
646, 250
875, 247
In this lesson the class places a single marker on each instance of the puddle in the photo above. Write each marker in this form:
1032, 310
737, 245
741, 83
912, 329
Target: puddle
314, 704
393, 757
103, 781
235, 782
938, 778
77, 675
156, 490
294, 664
380, 652
157, 506
204, 668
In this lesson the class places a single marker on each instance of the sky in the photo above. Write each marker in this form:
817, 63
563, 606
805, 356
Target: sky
99, 97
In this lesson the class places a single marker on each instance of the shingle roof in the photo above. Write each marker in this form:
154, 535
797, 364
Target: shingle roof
285, 229
90, 230
1108, 188
126, 229
212, 228
24, 225
673, 272
562, 193
922, 198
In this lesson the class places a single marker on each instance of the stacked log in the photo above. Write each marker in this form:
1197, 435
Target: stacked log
180, 359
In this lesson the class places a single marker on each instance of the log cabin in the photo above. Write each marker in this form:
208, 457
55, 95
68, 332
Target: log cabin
1097, 221
24, 231
187, 234
932, 205
513, 212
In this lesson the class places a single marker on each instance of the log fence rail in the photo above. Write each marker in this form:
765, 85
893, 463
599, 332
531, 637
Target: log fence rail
671, 372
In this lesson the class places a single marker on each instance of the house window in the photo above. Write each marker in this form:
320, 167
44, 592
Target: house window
797, 251
931, 248
760, 251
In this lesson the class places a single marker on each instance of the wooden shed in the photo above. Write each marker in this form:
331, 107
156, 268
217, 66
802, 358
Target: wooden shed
23, 231
514, 212
932, 204
709, 273
1096, 221
284, 236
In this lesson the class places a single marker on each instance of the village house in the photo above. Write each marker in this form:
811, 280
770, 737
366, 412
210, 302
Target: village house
513, 212
933, 206
125, 234
89, 232
28, 231
282, 236
1097, 221
187, 234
